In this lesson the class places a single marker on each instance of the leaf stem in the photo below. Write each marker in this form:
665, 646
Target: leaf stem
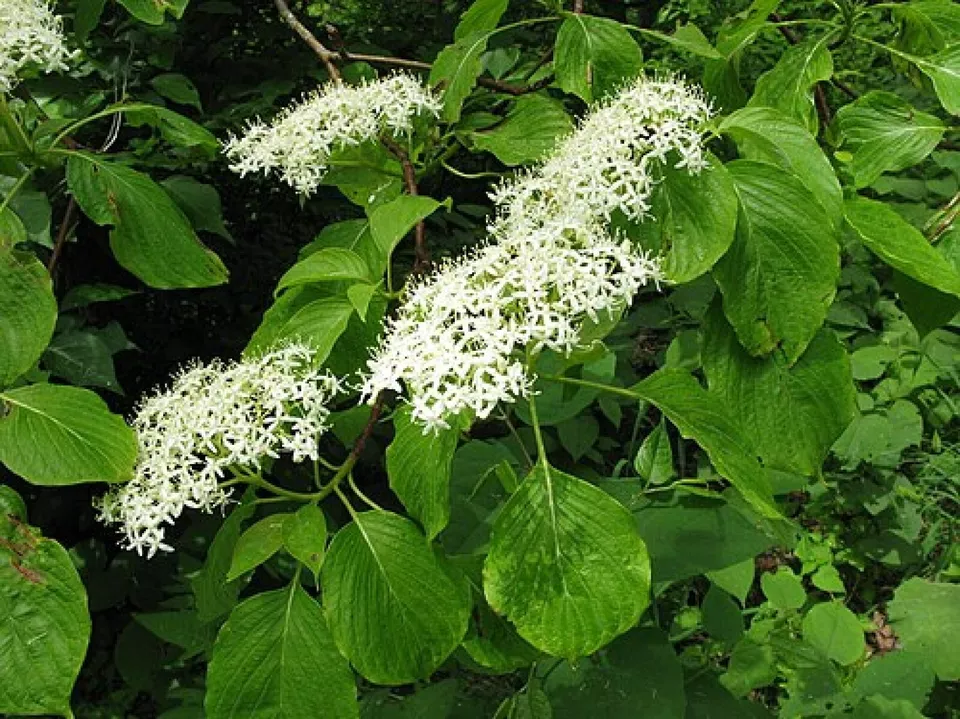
622, 391
18, 185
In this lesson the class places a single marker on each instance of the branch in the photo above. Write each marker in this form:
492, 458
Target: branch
577, 6
420, 249
326, 56
68, 217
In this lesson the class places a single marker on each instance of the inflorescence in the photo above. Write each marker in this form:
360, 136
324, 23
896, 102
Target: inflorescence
31, 35
460, 340
299, 141
214, 421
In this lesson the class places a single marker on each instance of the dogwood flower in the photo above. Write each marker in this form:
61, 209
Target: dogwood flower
299, 141
31, 35
213, 419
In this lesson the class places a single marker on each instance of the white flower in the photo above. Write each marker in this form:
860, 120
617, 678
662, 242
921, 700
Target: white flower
298, 142
215, 418
31, 35
459, 341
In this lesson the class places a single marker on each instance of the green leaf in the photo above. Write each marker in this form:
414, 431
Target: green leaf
705, 418
330, 264
896, 675
28, 313
900, 245
418, 465
151, 237
640, 669
926, 618
698, 536
708, 699
792, 414
360, 295
12, 231
305, 536
275, 658
396, 609
200, 202
736, 579
789, 85
11, 505
752, 665
44, 624
82, 357
884, 133
177, 87
351, 235
174, 127
578, 435
879, 707
391, 221
214, 595
257, 545
54, 435
835, 631
566, 565
721, 616
779, 277
593, 56
692, 221
494, 644
654, 461
457, 68
767, 135
87, 18
86, 295
530, 703
783, 589
688, 38
303, 315
152, 11
481, 16
943, 69
879, 438
529, 132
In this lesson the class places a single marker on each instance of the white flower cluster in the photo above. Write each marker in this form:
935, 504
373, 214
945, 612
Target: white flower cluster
459, 341
212, 419
298, 142
31, 35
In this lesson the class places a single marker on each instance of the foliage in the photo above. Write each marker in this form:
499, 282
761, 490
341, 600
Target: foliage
735, 497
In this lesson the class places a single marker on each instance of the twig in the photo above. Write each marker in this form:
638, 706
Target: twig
577, 6
420, 249
326, 56
68, 217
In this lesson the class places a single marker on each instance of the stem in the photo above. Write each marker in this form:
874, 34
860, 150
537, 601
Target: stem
65, 224
260, 482
326, 56
420, 249
18, 185
73, 127
622, 391
468, 175
577, 6
7, 122
356, 490
537, 434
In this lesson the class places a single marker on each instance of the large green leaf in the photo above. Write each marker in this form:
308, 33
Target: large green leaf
767, 135
56, 435
566, 564
82, 357
44, 623
481, 16
304, 315
327, 265
692, 221
708, 420
28, 313
688, 38
779, 277
275, 658
457, 68
943, 69
835, 631
151, 237
256, 545
214, 595
884, 134
792, 414
926, 618
640, 669
418, 465
396, 609
593, 56
788, 86
391, 221
900, 245
528, 133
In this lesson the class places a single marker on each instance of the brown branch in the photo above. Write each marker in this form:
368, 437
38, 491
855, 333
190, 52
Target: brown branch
68, 217
326, 56
420, 250
578, 6
361, 441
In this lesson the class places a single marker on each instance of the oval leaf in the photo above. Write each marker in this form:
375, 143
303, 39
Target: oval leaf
28, 313
257, 545
327, 265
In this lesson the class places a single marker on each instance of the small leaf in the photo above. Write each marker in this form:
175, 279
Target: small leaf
331, 264
360, 295
214, 595
44, 624
200, 202
835, 631
390, 222
54, 435
926, 618
482, 16
736, 580
943, 69
302, 315
783, 589
721, 616
529, 132
788, 87
275, 657
86, 295
152, 11
457, 68
593, 56
396, 609
578, 435
82, 357
177, 87
688, 38
28, 313
654, 461
900, 245
305, 536
418, 466
257, 545
87, 18
884, 134
151, 237
566, 565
